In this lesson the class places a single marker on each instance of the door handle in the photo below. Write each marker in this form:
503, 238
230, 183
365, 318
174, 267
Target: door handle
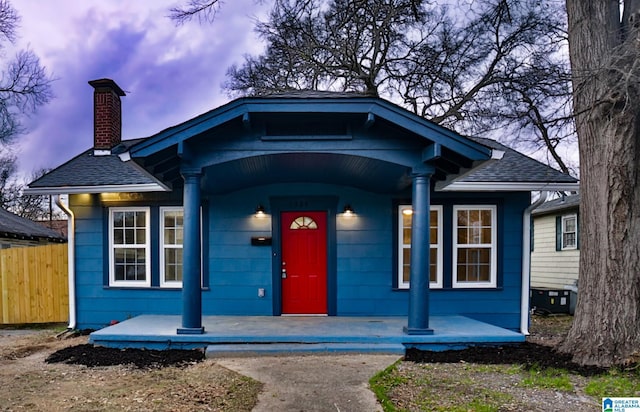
284, 273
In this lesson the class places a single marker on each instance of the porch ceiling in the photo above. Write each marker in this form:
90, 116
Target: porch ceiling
365, 173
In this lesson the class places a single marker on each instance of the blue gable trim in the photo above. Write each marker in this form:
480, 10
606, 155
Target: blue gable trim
365, 105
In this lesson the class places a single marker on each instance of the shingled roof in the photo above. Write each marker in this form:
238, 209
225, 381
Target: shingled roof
15, 227
91, 173
512, 169
557, 205
106, 172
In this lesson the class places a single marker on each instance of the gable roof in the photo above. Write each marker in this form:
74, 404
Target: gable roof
305, 102
16, 227
88, 173
513, 171
558, 205
491, 165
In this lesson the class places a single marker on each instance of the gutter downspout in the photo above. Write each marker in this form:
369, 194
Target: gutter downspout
71, 237
526, 262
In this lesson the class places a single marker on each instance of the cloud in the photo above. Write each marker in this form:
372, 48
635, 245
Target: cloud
170, 74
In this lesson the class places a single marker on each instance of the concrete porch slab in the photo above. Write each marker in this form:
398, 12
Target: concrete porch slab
364, 334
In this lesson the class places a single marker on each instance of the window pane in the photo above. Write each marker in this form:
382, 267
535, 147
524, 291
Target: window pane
462, 236
475, 264
486, 235
484, 256
474, 218
303, 222
433, 264
118, 236
406, 264
141, 219
570, 225
462, 273
433, 236
129, 218
169, 237
484, 273
485, 217
568, 240
433, 217
406, 220
118, 219
129, 237
170, 273
406, 236
474, 235
463, 218
462, 255
141, 236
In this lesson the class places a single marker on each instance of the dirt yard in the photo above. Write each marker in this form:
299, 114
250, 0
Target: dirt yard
147, 380
40, 372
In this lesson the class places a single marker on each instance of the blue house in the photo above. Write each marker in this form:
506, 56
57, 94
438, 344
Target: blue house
302, 203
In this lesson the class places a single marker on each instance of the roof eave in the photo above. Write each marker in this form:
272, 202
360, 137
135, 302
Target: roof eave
56, 190
507, 187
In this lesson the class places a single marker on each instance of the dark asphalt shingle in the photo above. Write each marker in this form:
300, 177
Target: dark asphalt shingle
556, 205
14, 226
514, 167
89, 170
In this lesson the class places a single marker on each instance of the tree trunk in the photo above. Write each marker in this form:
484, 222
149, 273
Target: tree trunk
606, 328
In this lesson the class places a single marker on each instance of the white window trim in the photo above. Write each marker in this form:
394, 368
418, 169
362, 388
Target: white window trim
401, 246
147, 247
494, 247
562, 232
165, 283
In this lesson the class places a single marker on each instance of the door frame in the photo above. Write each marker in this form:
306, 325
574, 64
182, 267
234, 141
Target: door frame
328, 204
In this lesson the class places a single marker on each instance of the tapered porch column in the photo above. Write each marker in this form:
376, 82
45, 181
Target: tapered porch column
191, 266
418, 322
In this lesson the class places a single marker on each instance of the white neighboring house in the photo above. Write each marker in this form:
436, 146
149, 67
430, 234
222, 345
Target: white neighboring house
556, 248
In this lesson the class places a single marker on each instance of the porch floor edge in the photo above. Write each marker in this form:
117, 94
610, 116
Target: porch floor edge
297, 333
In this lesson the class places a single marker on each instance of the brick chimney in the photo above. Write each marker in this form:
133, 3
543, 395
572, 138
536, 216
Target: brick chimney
107, 115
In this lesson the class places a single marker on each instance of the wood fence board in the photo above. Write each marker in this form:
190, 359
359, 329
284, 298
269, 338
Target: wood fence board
33, 284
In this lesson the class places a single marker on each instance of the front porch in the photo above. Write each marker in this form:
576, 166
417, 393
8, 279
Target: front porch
242, 335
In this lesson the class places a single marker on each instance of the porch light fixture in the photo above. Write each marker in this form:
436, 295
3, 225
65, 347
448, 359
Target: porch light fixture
407, 212
260, 211
348, 210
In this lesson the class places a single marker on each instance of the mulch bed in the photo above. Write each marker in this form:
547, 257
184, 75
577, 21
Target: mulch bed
90, 355
528, 354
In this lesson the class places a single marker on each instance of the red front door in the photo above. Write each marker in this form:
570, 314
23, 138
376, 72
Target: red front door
304, 262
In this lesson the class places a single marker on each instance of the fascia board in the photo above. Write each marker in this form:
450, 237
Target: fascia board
506, 187
146, 187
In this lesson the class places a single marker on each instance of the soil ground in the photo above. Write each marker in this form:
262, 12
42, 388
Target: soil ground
40, 372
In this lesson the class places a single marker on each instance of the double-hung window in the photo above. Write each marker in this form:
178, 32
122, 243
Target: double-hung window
129, 257
404, 246
171, 237
474, 246
569, 232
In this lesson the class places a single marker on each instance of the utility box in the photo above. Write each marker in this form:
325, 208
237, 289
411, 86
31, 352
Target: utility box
547, 301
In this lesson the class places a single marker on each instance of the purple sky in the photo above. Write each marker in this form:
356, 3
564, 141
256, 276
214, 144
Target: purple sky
170, 74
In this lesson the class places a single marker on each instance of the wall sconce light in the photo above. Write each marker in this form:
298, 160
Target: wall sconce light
348, 210
260, 211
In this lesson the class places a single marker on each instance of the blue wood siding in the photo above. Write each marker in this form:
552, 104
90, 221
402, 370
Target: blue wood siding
235, 270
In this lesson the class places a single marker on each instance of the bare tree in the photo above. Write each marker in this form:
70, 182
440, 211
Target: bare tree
12, 197
605, 58
24, 83
483, 66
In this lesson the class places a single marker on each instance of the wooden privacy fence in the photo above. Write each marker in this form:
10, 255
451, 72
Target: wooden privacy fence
33, 284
